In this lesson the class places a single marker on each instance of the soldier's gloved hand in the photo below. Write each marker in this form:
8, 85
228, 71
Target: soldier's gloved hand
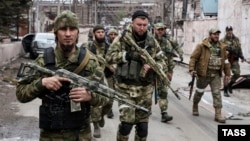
133, 56
181, 58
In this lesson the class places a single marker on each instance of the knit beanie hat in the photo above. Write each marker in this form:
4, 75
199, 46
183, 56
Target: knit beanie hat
139, 13
66, 19
97, 27
112, 30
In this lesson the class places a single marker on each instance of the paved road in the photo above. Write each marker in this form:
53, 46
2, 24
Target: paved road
19, 122
184, 127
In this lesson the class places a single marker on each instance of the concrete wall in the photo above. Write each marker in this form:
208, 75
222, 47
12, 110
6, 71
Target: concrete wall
9, 52
237, 14
230, 12
195, 32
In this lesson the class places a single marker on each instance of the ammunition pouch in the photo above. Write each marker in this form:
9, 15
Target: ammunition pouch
132, 73
55, 112
214, 63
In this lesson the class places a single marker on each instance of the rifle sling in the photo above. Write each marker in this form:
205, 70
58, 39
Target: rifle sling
83, 63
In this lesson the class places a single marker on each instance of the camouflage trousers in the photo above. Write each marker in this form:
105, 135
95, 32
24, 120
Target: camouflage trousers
99, 111
96, 113
139, 95
214, 83
235, 67
163, 99
66, 135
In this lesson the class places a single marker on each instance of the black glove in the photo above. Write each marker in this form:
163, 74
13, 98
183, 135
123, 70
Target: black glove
132, 56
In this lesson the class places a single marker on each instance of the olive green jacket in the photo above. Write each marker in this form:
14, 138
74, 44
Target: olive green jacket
200, 57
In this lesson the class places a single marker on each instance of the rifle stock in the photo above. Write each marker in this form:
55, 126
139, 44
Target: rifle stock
151, 62
79, 81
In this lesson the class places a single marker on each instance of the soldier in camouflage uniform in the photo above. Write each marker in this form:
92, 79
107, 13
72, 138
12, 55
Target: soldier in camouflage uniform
235, 53
112, 34
133, 77
99, 47
209, 60
90, 35
168, 46
56, 120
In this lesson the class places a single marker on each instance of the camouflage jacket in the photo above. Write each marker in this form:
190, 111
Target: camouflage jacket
31, 88
200, 57
169, 46
99, 49
174, 46
117, 51
233, 47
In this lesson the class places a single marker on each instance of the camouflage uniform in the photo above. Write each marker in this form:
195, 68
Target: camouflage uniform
110, 79
168, 46
97, 113
209, 60
235, 52
90, 35
128, 83
31, 88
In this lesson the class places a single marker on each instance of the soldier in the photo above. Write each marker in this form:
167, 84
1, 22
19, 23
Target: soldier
209, 60
90, 34
99, 47
235, 52
134, 77
57, 121
168, 46
112, 34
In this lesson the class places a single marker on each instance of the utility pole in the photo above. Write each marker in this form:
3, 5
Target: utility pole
58, 7
172, 17
95, 8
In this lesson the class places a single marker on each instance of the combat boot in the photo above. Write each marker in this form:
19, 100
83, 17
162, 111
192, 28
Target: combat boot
230, 85
218, 117
97, 130
165, 117
195, 109
102, 122
196, 100
110, 114
225, 92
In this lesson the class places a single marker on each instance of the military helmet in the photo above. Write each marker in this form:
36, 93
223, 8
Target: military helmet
66, 19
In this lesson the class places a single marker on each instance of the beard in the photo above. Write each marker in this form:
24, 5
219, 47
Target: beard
100, 40
67, 48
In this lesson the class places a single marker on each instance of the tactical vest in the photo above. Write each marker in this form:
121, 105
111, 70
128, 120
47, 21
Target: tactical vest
215, 58
132, 72
92, 48
55, 113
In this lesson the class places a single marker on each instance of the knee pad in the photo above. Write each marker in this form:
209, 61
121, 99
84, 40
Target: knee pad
125, 128
142, 129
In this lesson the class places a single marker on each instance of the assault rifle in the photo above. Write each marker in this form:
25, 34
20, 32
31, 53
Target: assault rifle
151, 62
77, 81
191, 85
